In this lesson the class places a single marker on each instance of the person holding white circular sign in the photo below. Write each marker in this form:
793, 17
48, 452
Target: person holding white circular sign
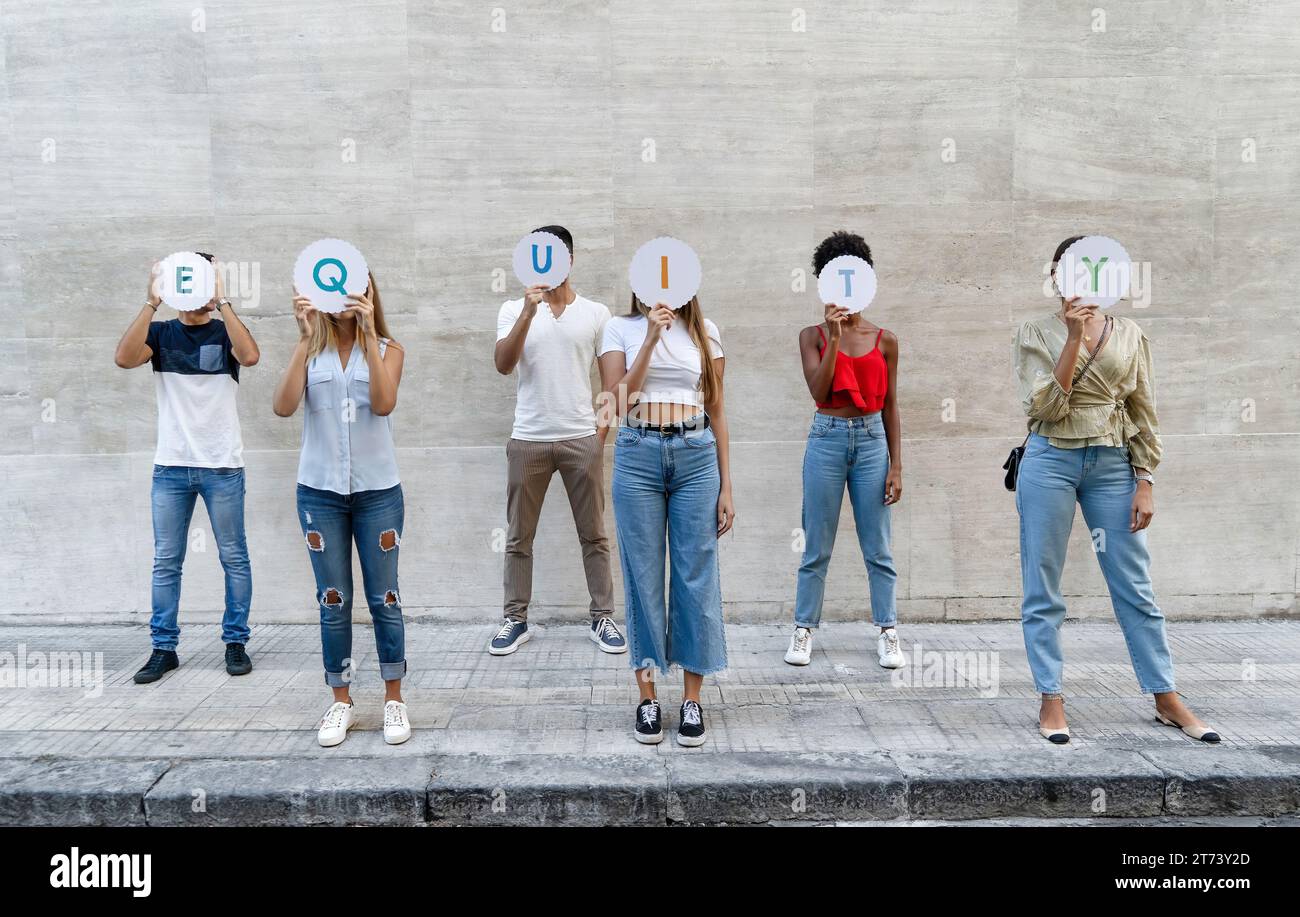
196, 362
848, 281
549, 339
1095, 270
665, 270
661, 366
187, 281
328, 273
347, 368
1088, 391
542, 258
851, 368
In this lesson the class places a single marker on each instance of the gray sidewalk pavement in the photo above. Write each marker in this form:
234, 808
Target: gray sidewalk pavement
544, 736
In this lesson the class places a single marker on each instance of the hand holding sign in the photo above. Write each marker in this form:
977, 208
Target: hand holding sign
848, 282
659, 320
304, 313
665, 270
1095, 270
186, 281
542, 259
328, 271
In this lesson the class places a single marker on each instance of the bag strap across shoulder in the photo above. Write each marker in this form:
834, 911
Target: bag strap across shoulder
1105, 336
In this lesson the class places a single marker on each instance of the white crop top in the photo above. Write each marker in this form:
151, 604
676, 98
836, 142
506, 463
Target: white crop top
674, 373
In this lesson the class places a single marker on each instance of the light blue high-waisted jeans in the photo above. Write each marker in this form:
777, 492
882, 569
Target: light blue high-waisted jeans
666, 489
844, 452
1100, 479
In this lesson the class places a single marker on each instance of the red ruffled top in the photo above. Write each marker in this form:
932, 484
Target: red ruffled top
860, 381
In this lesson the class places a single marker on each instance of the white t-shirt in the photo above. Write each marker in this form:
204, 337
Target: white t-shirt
196, 377
674, 373
554, 401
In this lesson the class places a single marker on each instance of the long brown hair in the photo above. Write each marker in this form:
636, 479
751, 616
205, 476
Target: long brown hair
693, 315
324, 333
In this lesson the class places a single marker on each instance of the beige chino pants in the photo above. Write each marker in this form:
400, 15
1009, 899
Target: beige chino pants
531, 466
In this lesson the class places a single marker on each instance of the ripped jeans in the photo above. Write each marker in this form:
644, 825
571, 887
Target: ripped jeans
330, 523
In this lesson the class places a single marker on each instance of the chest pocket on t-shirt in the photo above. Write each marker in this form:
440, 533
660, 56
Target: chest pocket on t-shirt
212, 358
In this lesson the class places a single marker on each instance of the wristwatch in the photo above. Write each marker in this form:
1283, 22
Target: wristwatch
223, 302
1145, 476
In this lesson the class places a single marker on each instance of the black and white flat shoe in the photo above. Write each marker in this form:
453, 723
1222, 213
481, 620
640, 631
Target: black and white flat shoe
1199, 733
1055, 736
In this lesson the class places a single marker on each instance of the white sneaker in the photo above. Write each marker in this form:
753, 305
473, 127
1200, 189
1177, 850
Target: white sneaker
397, 728
334, 725
800, 651
888, 650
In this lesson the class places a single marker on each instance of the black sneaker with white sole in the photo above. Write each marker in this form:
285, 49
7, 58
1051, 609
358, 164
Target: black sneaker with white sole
512, 635
649, 723
691, 730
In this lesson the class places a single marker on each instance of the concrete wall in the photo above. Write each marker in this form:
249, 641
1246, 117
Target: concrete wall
765, 138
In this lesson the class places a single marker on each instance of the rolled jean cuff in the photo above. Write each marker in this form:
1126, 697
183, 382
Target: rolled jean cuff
1169, 690
336, 680
392, 671
892, 622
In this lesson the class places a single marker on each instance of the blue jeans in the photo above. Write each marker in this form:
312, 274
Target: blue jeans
175, 488
330, 523
844, 452
666, 488
1100, 479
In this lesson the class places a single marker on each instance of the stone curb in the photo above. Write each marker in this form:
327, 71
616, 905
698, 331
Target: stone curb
758, 788
74, 792
698, 788
291, 791
548, 790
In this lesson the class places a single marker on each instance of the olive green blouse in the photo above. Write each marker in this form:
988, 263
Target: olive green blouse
1114, 404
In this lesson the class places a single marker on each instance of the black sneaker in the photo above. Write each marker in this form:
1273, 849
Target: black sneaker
159, 664
237, 661
649, 723
691, 730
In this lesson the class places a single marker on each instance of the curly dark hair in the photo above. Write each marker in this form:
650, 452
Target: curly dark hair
840, 243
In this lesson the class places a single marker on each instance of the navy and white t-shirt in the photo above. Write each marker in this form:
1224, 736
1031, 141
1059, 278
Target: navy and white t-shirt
196, 376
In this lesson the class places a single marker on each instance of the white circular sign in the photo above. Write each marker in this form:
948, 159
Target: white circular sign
186, 281
542, 257
665, 270
327, 271
848, 281
1096, 269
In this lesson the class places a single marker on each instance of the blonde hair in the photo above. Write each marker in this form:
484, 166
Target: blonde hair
693, 315
324, 333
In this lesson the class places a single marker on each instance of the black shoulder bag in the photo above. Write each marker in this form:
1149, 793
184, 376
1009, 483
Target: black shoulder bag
1012, 464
